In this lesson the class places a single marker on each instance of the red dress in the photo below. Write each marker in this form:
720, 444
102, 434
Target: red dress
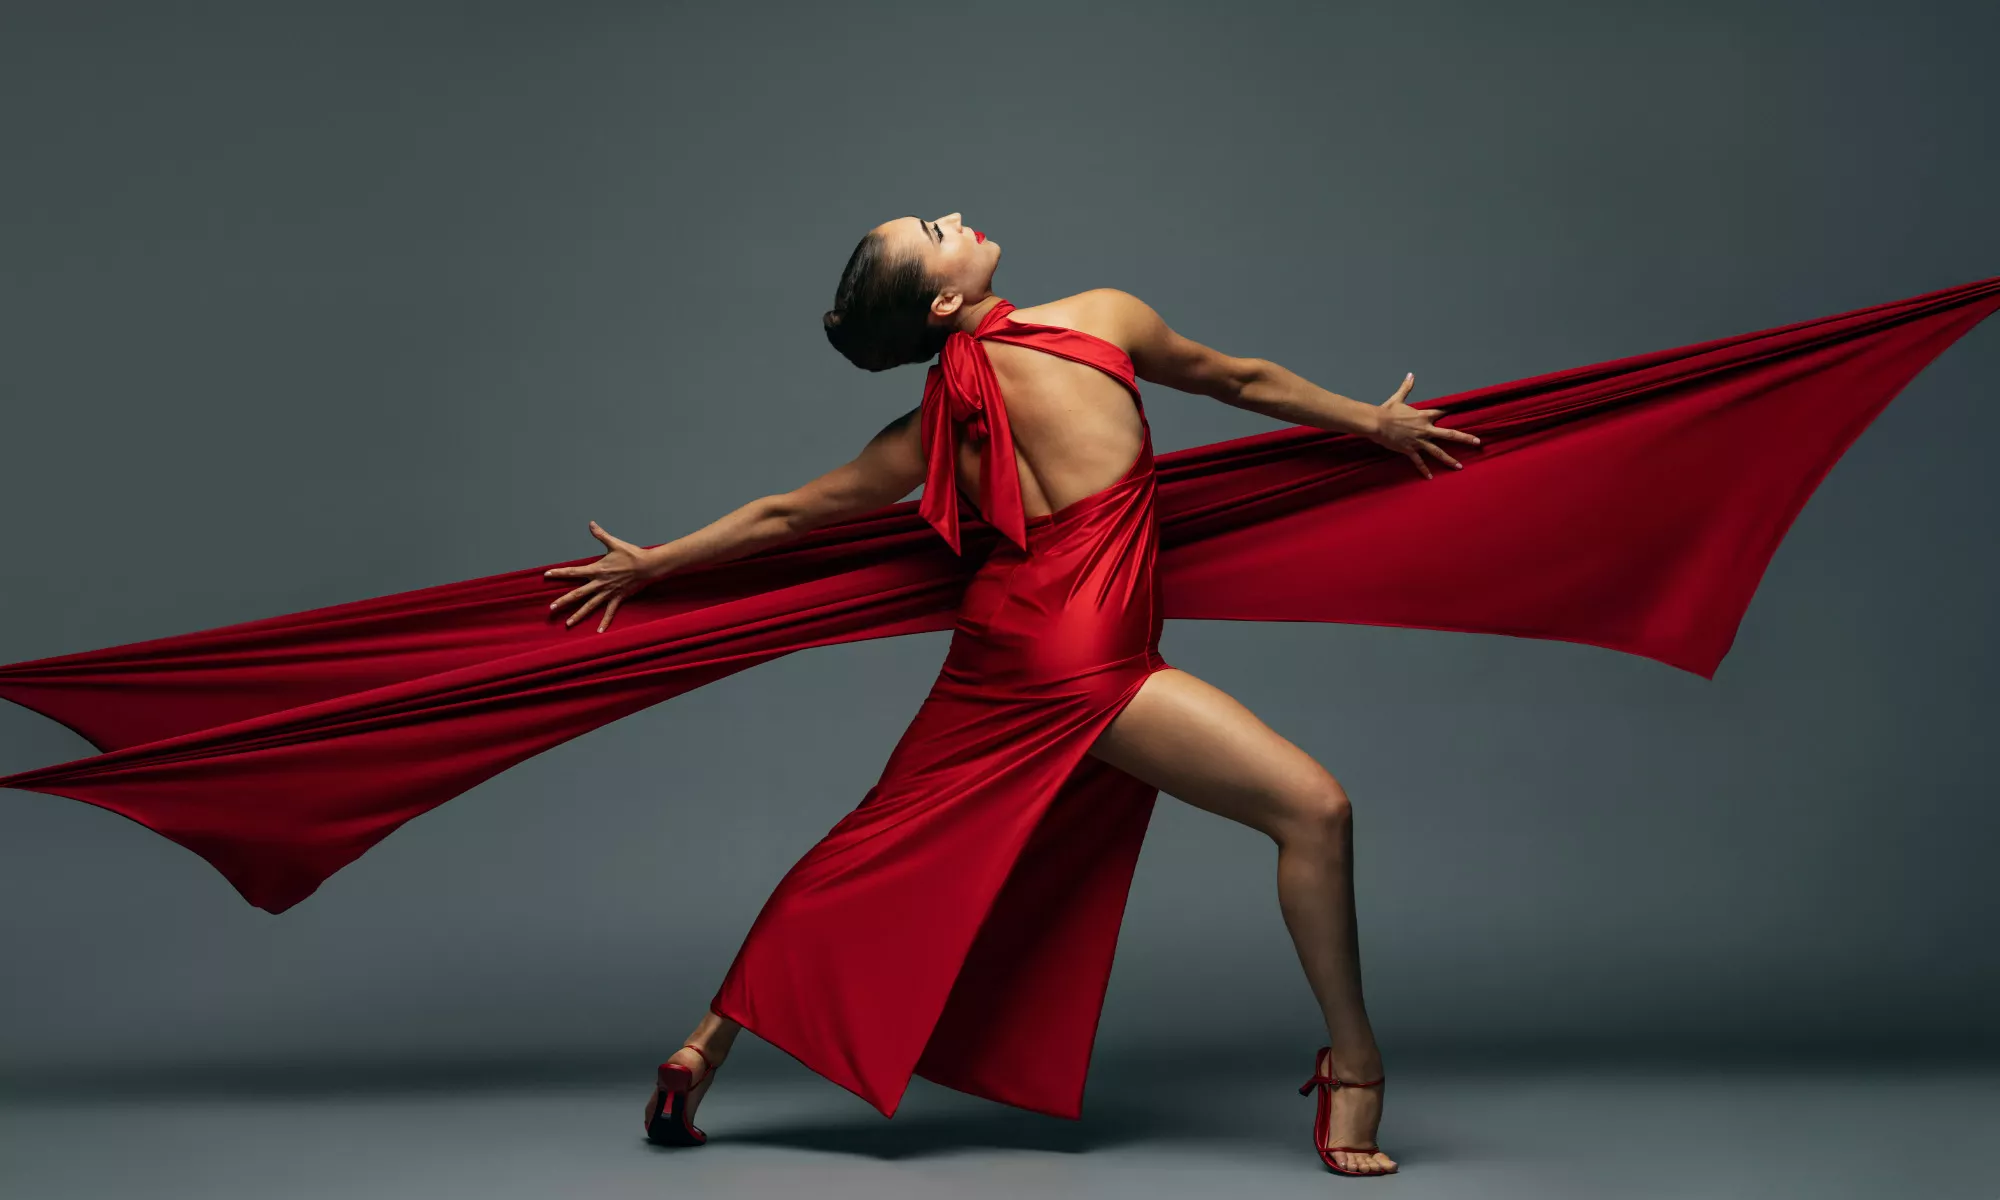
960, 922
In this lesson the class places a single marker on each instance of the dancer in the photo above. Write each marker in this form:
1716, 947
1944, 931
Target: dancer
1053, 704
960, 922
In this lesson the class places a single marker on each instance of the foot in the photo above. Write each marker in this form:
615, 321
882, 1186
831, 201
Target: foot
698, 1068
1357, 1113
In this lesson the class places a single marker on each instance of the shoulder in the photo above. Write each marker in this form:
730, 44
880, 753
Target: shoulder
1117, 316
1158, 353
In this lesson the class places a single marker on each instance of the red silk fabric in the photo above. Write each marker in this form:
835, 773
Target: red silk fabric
959, 922
1632, 504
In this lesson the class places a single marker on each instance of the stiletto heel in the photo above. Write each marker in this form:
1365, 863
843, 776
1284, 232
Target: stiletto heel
667, 1122
1324, 1080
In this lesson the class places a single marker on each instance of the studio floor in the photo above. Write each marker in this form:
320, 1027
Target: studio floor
1818, 1131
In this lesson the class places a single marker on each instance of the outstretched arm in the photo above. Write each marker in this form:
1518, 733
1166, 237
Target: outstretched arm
888, 468
1162, 356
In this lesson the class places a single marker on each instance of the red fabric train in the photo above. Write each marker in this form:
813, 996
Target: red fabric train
1632, 504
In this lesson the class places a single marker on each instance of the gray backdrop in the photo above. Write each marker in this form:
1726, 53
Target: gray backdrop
309, 306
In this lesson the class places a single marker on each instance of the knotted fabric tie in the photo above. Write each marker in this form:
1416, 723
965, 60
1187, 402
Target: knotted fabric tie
961, 393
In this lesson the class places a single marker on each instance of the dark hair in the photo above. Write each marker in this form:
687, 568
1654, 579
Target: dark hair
881, 311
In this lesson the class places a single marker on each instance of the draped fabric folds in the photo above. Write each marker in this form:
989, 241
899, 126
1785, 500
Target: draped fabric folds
959, 922
957, 391
1632, 504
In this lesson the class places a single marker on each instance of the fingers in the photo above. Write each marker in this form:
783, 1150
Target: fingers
610, 610
1396, 396
1438, 453
1419, 460
1437, 430
611, 540
597, 531
595, 598
574, 594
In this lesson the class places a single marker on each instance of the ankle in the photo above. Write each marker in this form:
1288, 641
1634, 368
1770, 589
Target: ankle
699, 1057
714, 1034
1357, 1066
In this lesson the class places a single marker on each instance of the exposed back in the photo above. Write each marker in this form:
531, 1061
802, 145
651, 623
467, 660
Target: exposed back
961, 393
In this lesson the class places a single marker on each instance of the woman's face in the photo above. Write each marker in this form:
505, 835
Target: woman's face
960, 259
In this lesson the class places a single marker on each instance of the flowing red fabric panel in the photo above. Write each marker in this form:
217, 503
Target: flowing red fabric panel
1631, 504
957, 391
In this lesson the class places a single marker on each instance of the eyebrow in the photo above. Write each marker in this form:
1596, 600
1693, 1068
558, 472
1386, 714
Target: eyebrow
926, 227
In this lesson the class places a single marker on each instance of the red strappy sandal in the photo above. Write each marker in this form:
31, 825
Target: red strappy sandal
667, 1121
1324, 1080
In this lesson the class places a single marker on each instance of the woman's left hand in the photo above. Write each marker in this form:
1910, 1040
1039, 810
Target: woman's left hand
1406, 430
624, 569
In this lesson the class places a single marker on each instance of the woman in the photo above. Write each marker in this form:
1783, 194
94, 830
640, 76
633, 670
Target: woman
1055, 646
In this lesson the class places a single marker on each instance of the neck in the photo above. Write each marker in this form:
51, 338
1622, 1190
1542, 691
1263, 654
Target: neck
969, 316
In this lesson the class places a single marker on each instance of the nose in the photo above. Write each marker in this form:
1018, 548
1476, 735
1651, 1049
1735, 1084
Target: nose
954, 218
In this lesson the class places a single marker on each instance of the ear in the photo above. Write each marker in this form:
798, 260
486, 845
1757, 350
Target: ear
944, 304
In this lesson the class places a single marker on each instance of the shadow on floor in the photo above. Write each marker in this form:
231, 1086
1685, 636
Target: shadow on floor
916, 1135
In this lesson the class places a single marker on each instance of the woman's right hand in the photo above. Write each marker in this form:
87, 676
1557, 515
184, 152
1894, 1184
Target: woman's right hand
624, 569
1406, 429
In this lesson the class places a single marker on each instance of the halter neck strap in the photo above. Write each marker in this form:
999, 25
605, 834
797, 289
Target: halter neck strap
960, 393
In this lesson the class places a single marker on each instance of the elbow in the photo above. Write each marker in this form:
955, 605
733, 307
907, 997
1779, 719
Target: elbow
783, 514
1241, 379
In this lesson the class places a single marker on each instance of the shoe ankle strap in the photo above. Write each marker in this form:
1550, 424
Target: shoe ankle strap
705, 1060
1328, 1078
1319, 1080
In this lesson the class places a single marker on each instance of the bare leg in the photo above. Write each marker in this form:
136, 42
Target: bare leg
1197, 743
714, 1035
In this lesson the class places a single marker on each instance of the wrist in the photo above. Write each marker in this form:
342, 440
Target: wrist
653, 562
1367, 420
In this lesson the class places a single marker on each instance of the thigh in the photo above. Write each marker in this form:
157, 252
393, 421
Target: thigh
1197, 743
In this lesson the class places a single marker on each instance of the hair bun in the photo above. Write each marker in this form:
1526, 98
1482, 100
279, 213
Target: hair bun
881, 314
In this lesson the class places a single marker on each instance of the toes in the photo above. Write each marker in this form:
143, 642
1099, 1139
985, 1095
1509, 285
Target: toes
1365, 1162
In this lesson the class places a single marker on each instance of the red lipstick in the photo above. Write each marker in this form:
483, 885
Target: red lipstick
978, 236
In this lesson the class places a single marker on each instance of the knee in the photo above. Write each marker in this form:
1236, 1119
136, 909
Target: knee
1320, 810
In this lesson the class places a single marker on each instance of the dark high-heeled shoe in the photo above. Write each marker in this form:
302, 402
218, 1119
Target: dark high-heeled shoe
1323, 1079
667, 1122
